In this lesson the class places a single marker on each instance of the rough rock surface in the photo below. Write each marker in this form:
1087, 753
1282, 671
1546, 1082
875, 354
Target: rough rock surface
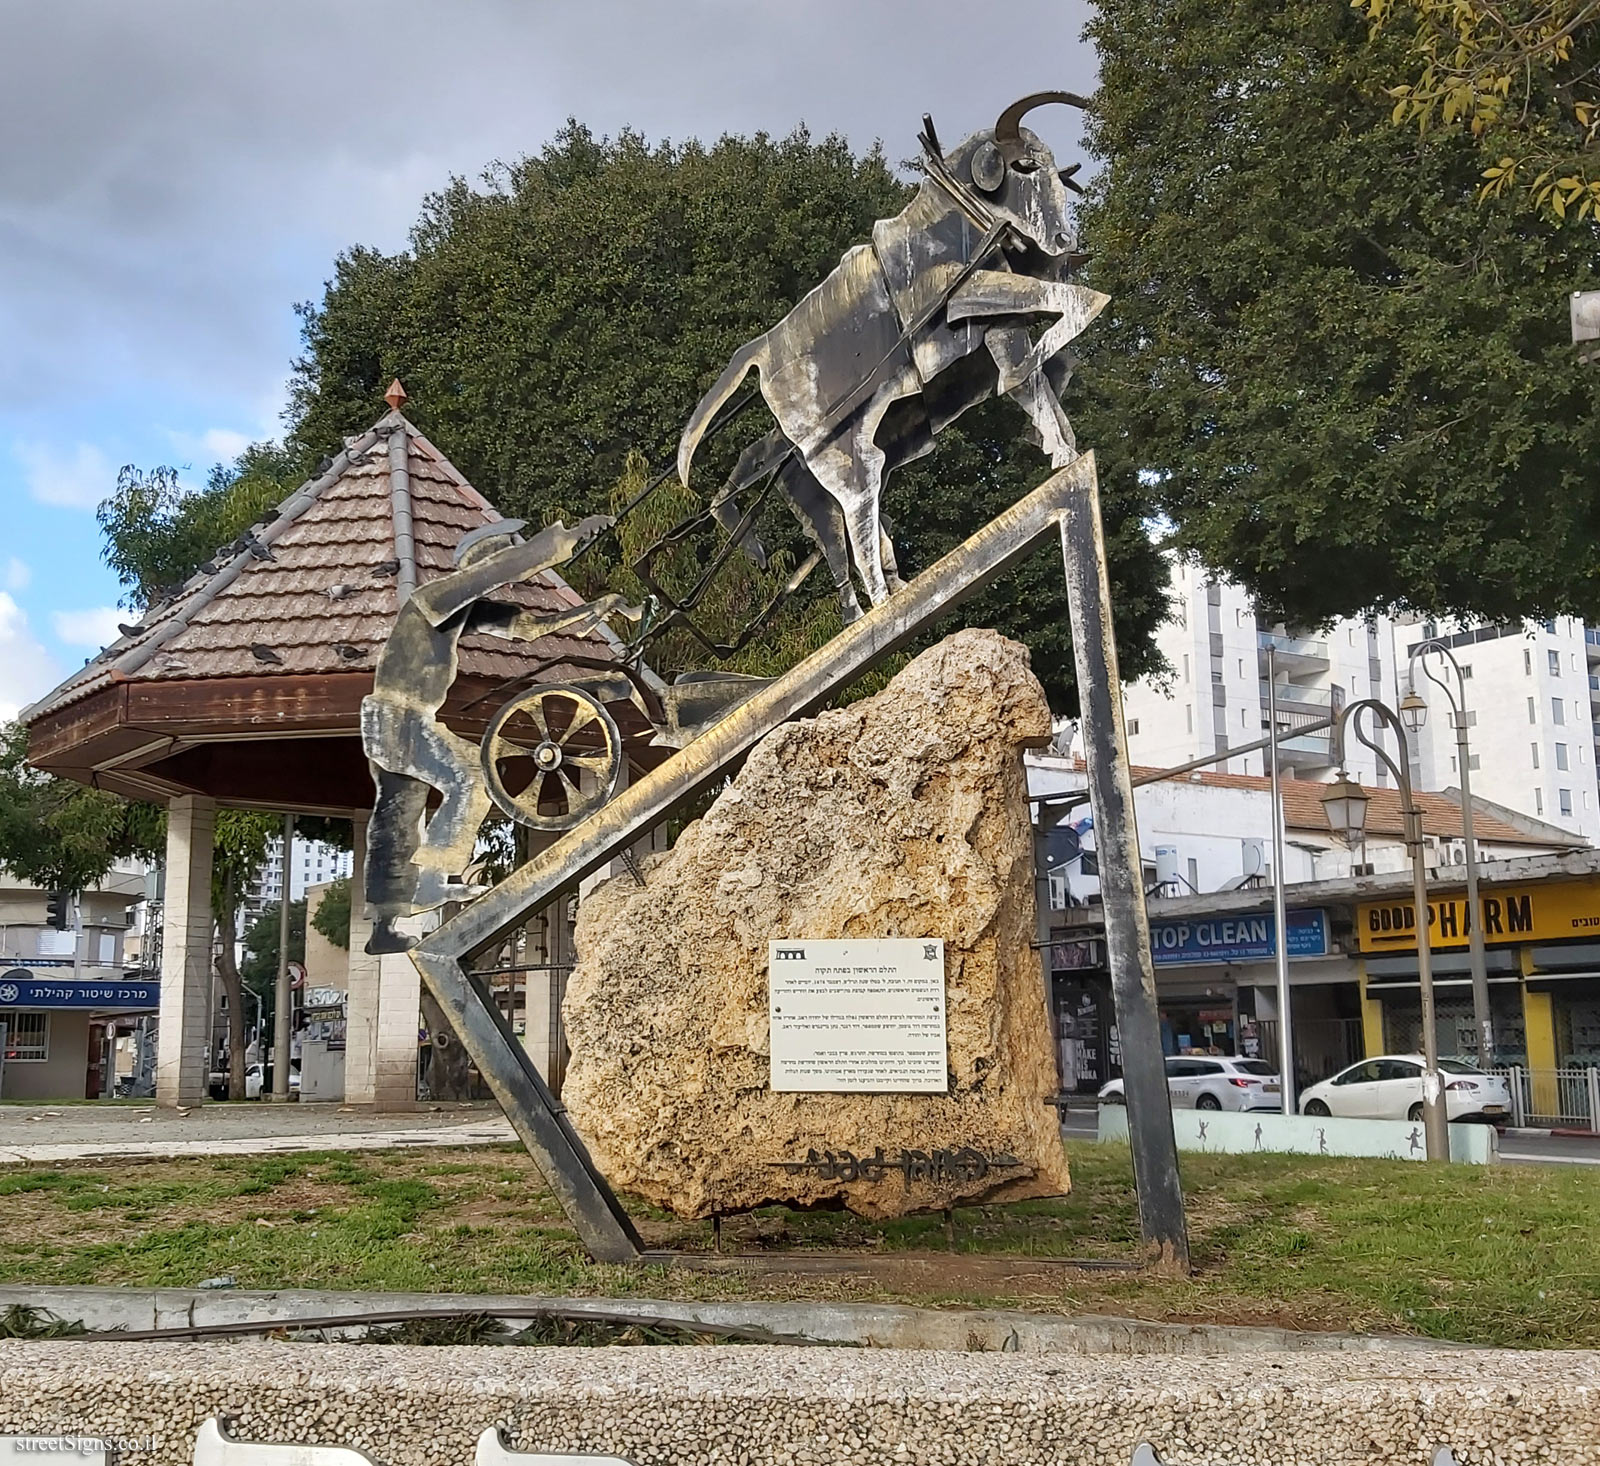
903, 815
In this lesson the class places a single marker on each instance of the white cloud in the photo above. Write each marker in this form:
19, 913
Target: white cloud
76, 479
215, 445
27, 670
93, 628
17, 575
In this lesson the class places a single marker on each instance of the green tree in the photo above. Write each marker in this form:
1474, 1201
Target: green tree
62, 835
332, 916
570, 312
157, 534
238, 853
1344, 382
1519, 76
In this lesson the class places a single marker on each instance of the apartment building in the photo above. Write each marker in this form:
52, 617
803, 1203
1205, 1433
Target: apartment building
1215, 697
312, 864
1533, 700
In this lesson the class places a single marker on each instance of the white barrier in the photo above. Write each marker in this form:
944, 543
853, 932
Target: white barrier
1227, 1132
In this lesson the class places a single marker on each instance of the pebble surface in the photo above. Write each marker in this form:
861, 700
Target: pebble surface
759, 1406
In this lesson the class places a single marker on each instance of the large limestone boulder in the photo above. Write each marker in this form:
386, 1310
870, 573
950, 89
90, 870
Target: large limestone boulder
903, 815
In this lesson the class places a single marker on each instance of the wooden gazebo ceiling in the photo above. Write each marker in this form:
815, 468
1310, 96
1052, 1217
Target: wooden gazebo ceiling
246, 686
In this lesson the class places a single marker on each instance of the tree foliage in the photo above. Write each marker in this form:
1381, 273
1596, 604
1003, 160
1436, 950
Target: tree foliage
570, 311
260, 966
1345, 383
1518, 76
332, 916
61, 835
156, 533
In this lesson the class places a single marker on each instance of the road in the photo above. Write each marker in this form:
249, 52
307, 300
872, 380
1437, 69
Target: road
1517, 1147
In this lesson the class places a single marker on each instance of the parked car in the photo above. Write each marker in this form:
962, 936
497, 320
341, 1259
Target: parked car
1390, 1088
1207, 1082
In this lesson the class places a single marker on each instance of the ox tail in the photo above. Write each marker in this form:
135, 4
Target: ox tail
751, 355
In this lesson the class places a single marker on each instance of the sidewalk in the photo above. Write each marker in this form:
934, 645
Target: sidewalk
48, 1133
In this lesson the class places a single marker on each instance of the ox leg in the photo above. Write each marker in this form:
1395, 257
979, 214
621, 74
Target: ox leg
850, 467
819, 516
1001, 293
1036, 396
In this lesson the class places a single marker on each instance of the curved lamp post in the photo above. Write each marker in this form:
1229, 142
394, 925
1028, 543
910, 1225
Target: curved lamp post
1345, 804
1415, 712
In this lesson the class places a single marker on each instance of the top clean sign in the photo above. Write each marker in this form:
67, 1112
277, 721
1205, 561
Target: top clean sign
1246, 938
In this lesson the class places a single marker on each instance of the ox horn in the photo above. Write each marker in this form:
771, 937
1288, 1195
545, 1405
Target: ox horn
1006, 127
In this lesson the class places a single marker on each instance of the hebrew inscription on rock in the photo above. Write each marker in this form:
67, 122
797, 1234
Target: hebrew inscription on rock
902, 818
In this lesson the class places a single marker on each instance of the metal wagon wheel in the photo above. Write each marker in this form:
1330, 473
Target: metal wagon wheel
535, 748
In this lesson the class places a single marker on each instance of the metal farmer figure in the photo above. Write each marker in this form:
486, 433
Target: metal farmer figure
410, 869
908, 332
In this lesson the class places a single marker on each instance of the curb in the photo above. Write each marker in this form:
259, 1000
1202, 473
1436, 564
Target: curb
865, 1325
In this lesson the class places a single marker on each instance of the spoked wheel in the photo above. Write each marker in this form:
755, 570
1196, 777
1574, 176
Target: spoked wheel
539, 747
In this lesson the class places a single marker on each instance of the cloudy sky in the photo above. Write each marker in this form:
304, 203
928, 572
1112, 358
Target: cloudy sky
176, 174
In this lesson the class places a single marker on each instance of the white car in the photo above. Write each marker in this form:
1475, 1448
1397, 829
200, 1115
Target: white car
1390, 1088
1204, 1082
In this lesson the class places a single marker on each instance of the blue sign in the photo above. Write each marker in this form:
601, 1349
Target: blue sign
19, 988
1247, 938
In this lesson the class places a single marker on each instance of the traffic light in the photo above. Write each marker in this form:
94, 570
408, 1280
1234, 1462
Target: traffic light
59, 910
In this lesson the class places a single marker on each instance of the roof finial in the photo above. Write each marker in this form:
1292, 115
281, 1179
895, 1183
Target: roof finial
396, 395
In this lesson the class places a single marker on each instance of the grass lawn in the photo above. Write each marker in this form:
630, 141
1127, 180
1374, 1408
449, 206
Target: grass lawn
1506, 1255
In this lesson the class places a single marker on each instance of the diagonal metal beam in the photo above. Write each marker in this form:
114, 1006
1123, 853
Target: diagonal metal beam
536, 1116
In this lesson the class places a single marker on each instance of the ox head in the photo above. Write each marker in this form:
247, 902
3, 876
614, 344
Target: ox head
1016, 178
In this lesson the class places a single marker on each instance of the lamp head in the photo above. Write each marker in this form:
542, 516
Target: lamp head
1413, 710
1344, 803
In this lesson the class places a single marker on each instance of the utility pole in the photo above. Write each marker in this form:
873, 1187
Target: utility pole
283, 998
1280, 914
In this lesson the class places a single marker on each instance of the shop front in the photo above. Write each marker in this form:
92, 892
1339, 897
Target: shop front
1544, 976
59, 1032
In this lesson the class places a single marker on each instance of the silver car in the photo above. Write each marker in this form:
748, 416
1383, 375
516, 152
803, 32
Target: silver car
1210, 1082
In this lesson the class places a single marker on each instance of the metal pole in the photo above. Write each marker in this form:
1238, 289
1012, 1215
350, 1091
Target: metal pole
283, 999
1133, 978
1482, 1014
1280, 915
1436, 1126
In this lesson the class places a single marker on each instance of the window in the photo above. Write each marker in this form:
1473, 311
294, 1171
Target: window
1538, 801
27, 1038
1550, 626
1558, 712
1555, 664
1466, 671
1533, 712
1241, 666
1527, 662
1244, 717
1133, 727
1561, 755
1564, 800
1186, 666
1188, 717
1535, 748
1359, 1074
1398, 1069
1453, 764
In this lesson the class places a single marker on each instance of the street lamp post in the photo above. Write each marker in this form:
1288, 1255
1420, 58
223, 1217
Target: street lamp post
1345, 804
1415, 712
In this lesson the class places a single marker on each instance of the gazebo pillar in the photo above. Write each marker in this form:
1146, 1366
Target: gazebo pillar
185, 1029
382, 999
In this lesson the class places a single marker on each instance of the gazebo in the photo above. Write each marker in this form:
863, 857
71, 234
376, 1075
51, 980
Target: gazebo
243, 689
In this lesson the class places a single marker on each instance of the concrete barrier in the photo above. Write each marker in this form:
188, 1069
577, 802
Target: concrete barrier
1264, 1130
761, 1406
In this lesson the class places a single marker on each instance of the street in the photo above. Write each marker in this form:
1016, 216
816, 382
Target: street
1517, 1147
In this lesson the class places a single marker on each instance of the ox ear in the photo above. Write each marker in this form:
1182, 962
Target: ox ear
988, 167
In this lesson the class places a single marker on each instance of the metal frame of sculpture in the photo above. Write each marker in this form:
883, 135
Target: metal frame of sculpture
938, 307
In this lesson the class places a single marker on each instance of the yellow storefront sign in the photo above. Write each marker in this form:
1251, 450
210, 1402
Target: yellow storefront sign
1548, 913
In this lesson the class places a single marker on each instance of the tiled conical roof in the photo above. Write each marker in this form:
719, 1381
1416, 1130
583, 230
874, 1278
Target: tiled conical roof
315, 589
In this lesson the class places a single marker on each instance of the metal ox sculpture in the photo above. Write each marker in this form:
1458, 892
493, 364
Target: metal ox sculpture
908, 332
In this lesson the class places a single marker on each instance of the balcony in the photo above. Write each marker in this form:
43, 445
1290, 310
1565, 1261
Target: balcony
1594, 688
1293, 653
1591, 643
1292, 697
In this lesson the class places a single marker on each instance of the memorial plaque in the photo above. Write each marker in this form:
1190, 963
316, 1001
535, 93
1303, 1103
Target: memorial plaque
857, 1017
